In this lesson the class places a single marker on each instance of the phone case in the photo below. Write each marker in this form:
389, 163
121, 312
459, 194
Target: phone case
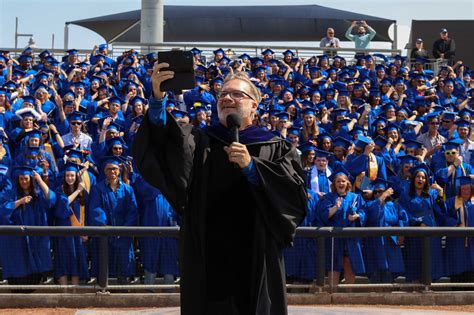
181, 62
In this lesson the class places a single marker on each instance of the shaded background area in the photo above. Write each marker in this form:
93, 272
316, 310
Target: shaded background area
459, 30
237, 23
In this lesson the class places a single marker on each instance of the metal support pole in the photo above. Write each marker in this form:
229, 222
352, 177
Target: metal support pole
426, 262
103, 262
16, 32
395, 36
320, 261
66, 36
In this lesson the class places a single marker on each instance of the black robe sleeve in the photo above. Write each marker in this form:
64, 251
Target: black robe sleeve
283, 204
164, 157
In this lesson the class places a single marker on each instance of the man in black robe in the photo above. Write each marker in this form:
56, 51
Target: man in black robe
240, 202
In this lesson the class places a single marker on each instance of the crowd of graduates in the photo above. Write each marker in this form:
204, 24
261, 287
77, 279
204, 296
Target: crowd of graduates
383, 142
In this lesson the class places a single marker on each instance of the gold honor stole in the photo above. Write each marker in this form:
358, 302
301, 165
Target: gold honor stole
74, 220
373, 169
49, 149
459, 204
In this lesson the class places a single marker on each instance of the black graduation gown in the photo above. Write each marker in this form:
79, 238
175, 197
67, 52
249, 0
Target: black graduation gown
225, 219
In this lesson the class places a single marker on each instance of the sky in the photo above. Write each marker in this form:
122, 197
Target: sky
46, 17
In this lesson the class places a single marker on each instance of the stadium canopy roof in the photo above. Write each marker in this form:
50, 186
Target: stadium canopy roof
237, 23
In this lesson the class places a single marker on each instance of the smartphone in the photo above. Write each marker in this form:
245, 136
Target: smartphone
181, 62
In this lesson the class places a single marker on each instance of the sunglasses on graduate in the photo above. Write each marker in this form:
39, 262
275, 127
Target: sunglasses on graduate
236, 95
76, 123
434, 123
451, 152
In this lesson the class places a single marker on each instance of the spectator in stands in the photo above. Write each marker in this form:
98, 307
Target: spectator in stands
330, 41
419, 51
444, 47
364, 35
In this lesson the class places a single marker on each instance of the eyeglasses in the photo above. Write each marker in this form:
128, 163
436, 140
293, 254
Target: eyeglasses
76, 123
446, 121
451, 152
236, 95
435, 123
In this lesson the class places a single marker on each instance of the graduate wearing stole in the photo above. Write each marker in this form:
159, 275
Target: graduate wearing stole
460, 250
26, 204
113, 203
343, 208
320, 173
70, 259
364, 165
422, 205
454, 167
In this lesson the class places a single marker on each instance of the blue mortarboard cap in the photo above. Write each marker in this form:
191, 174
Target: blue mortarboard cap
307, 147
422, 167
29, 99
268, 52
412, 144
362, 141
463, 123
137, 99
32, 150
338, 171
111, 160
115, 141
293, 131
112, 126
22, 170
449, 115
380, 183
33, 134
245, 57
27, 113
309, 111
381, 56
448, 81
407, 159
421, 60
72, 167
219, 51
341, 142
288, 53
24, 58
102, 47
115, 99
179, 113
340, 112
380, 141
71, 52
322, 153
196, 51
323, 136
453, 144
76, 116
386, 81
379, 68
465, 180
74, 153
283, 116
392, 126
466, 111
388, 106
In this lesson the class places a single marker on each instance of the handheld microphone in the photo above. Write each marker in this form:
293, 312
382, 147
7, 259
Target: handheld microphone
233, 124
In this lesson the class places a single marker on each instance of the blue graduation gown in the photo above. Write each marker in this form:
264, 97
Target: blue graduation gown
383, 253
351, 203
119, 208
26, 254
422, 209
459, 257
358, 164
70, 252
451, 184
300, 260
158, 254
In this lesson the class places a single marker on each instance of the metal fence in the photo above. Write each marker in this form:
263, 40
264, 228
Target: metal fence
320, 234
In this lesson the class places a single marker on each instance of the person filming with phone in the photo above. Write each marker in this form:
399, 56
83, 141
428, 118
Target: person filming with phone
240, 192
364, 35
